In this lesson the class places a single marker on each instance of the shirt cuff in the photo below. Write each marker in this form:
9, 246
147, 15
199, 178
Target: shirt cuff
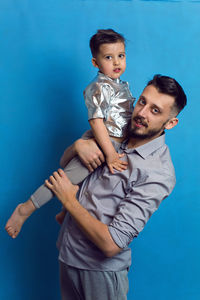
120, 238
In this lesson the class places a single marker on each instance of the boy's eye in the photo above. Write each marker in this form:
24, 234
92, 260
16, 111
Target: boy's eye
108, 57
121, 55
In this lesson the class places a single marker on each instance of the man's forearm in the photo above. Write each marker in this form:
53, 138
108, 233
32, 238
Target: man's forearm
95, 231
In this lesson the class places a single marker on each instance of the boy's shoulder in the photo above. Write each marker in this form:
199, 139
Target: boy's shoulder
101, 80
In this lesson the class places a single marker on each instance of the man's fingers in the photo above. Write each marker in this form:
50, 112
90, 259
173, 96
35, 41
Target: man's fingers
56, 175
101, 157
61, 172
94, 165
89, 166
98, 162
48, 184
52, 178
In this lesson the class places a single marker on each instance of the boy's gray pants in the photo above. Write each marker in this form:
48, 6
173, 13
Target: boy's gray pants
75, 171
78, 284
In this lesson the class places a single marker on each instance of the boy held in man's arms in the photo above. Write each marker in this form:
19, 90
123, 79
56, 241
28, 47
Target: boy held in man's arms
110, 104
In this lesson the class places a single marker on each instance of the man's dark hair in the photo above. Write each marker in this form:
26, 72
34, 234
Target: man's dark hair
171, 87
104, 36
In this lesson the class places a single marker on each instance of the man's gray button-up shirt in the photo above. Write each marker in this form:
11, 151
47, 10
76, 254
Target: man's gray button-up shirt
124, 201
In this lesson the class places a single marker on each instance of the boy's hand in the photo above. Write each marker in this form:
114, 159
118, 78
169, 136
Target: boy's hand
114, 162
62, 187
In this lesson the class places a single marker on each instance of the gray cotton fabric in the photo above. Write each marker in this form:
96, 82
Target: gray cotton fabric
78, 284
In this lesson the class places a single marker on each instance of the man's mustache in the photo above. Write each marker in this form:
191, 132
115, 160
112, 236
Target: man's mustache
140, 120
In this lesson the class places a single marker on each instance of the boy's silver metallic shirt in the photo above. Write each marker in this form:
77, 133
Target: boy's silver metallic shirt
111, 100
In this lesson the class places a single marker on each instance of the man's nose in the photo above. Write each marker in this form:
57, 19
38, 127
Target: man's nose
143, 112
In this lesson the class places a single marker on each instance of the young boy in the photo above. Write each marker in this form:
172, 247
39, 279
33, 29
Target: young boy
110, 106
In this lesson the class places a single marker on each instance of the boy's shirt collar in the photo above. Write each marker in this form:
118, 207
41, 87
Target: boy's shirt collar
117, 80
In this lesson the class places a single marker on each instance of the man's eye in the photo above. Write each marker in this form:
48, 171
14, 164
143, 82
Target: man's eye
108, 57
142, 101
155, 110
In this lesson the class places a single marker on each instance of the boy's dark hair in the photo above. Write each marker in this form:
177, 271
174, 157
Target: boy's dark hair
104, 36
171, 87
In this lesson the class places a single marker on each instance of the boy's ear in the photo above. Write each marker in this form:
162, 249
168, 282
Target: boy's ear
94, 62
171, 123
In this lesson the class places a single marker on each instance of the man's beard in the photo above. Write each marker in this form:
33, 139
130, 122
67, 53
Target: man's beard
142, 136
132, 132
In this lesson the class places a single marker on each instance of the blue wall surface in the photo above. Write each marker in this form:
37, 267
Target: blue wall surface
45, 63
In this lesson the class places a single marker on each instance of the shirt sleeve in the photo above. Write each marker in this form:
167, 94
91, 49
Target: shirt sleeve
141, 201
97, 99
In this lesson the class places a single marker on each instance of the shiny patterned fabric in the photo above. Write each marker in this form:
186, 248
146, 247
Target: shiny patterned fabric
111, 100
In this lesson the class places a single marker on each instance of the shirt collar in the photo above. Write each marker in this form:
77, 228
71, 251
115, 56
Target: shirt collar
117, 80
146, 149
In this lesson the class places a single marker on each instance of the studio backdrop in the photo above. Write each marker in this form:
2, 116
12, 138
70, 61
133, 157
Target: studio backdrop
45, 64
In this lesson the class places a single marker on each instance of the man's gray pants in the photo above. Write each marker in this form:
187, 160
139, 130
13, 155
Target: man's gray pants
78, 284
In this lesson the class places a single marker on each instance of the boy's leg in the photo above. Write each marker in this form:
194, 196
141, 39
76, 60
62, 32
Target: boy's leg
75, 171
19, 216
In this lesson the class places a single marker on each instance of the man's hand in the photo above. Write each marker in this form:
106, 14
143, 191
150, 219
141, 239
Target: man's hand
96, 231
62, 187
89, 153
114, 162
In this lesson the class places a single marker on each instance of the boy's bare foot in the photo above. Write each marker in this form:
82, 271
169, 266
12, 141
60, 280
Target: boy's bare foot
60, 216
19, 216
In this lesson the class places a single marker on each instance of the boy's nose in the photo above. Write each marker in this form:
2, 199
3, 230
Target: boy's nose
116, 61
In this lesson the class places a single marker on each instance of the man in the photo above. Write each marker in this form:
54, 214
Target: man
111, 209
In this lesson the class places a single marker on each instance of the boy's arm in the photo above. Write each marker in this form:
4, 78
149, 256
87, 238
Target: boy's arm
102, 137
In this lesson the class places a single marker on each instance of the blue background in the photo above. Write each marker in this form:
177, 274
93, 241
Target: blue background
45, 63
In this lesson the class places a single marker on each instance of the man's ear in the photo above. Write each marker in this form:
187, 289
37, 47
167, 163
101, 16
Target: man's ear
171, 123
94, 62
